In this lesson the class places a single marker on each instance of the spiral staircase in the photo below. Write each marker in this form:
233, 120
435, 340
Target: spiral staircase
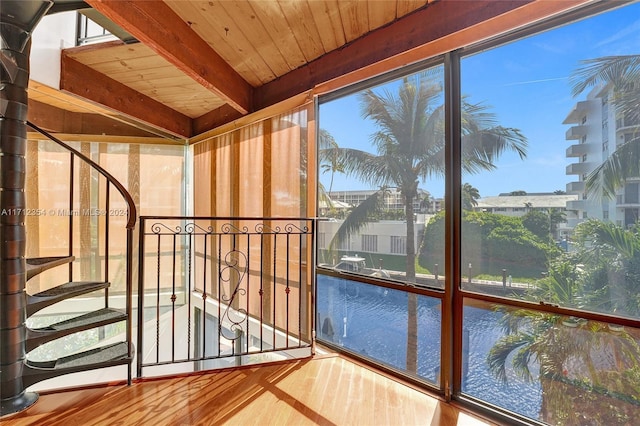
17, 340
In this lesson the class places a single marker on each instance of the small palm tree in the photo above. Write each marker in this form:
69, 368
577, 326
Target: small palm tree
410, 147
615, 252
569, 352
556, 217
470, 196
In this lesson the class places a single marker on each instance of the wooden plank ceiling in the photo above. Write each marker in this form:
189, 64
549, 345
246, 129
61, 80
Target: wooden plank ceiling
201, 64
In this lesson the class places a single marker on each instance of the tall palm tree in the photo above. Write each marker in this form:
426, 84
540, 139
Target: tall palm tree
410, 145
623, 74
331, 164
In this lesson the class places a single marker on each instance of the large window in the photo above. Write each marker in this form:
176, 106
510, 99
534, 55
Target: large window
543, 276
558, 249
381, 154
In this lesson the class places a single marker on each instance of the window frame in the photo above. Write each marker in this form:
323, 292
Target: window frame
453, 296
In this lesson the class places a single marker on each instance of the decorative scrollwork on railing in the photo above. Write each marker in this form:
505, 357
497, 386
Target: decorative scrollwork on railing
193, 228
263, 228
290, 228
159, 229
233, 273
229, 228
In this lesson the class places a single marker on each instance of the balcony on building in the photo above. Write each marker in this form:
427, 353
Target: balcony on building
579, 168
576, 113
576, 187
577, 150
576, 132
576, 205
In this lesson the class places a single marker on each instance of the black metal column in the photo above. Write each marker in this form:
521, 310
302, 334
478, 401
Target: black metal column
16, 23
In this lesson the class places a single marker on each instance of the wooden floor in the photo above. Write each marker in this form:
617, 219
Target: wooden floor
328, 390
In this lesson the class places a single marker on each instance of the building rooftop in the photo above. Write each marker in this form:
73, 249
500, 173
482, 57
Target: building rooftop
536, 201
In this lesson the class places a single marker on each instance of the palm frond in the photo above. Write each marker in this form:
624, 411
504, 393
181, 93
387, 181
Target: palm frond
326, 140
367, 167
607, 239
609, 69
622, 164
502, 349
483, 141
359, 217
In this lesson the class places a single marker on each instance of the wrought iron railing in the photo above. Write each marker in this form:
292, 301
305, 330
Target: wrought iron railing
221, 290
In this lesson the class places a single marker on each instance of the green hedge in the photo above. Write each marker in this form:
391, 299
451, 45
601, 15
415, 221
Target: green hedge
490, 242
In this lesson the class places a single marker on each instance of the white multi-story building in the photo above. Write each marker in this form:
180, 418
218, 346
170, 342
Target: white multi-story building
597, 131
382, 236
519, 205
392, 199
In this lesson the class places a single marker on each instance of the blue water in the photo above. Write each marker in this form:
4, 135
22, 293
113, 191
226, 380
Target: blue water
376, 327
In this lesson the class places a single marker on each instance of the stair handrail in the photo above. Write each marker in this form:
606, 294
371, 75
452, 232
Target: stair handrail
130, 226
131, 206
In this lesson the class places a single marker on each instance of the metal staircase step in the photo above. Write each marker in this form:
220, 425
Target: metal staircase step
105, 356
38, 336
36, 265
53, 295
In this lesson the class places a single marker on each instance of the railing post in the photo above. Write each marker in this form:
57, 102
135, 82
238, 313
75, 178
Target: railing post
141, 251
237, 346
314, 322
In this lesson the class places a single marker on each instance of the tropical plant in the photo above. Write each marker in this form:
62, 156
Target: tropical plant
329, 164
556, 217
538, 223
623, 74
613, 256
410, 148
603, 274
569, 357
470, 196
492, 242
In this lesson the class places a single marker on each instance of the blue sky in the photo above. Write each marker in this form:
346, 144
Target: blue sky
526, 84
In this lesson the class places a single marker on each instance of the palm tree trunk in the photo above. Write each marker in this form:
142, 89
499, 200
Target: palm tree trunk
412, 298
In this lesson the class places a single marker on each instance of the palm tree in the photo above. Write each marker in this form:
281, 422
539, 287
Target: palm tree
470, 196
556, 217
566, 349
623, 74
569, 355
331, 164
410, 145
613, 252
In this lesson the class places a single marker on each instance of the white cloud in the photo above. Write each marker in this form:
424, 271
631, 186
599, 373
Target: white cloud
630, 30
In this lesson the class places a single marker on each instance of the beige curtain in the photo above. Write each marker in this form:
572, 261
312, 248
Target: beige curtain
259, 171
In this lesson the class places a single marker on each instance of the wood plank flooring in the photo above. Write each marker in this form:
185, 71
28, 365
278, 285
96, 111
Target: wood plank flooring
328, 390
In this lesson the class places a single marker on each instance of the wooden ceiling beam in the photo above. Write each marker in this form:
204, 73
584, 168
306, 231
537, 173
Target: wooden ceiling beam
437, 20
155, 24
87, 83
215, 118
58, 120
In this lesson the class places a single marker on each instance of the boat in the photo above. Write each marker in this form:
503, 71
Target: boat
357, 265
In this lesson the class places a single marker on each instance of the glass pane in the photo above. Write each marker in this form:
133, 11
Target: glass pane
550, 195
381, 154
556, 369
374, 322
